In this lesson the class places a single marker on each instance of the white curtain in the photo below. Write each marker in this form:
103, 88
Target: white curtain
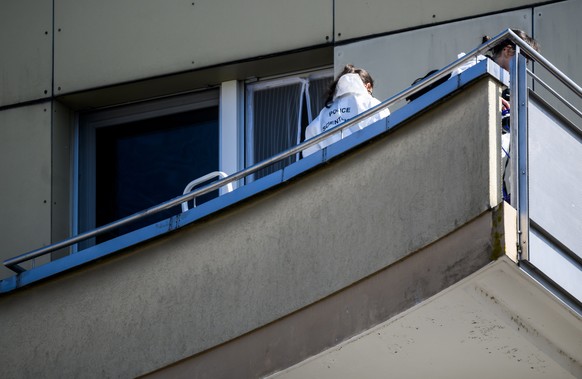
277, 114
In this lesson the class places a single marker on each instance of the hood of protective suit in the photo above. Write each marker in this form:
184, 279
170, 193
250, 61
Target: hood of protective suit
350, 99
350, 84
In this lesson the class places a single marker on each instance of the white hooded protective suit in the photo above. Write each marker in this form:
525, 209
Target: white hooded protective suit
351, 98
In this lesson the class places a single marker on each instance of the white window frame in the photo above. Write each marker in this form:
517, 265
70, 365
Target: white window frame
231, 135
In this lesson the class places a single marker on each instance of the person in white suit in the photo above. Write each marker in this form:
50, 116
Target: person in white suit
349, 95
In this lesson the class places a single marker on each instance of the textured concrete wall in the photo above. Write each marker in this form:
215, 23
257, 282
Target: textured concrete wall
497, 323
254, 263
371, 301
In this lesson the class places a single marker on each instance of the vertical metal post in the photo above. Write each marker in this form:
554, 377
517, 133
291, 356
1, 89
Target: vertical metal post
519, 121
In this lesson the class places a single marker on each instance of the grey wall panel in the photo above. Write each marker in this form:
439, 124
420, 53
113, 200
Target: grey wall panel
558, 28
356, 19
395, 61
26, 50
25, 169
62, 162
107, 42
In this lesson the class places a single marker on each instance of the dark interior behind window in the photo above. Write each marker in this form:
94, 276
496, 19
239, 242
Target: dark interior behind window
143, 163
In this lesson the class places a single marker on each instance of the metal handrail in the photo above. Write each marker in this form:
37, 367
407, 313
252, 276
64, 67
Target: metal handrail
13, 263
545, 63
555, 93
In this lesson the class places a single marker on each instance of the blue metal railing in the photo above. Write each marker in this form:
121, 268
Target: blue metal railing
14, 263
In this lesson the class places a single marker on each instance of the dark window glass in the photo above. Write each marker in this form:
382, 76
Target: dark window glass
144, 163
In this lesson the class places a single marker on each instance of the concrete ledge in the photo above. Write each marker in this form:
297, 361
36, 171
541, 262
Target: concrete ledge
497, 322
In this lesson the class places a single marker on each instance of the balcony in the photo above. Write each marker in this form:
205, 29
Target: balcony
398, 233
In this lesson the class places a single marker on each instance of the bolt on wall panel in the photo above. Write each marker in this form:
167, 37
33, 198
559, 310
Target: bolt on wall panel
26, 50
99, 43
395, 61
25, 169
355, 19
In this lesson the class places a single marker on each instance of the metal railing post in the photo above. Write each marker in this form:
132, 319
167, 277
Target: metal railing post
519, 101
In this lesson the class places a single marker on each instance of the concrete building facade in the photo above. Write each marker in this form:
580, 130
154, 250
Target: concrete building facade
400, 223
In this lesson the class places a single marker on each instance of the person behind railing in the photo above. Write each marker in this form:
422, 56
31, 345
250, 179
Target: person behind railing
349, 95
502, 53
415, 95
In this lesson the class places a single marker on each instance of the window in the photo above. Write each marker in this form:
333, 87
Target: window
135, 157
277, 113
130, 158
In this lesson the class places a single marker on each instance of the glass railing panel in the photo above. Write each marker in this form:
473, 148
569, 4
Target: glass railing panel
555, 175
549, 141
555, 264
